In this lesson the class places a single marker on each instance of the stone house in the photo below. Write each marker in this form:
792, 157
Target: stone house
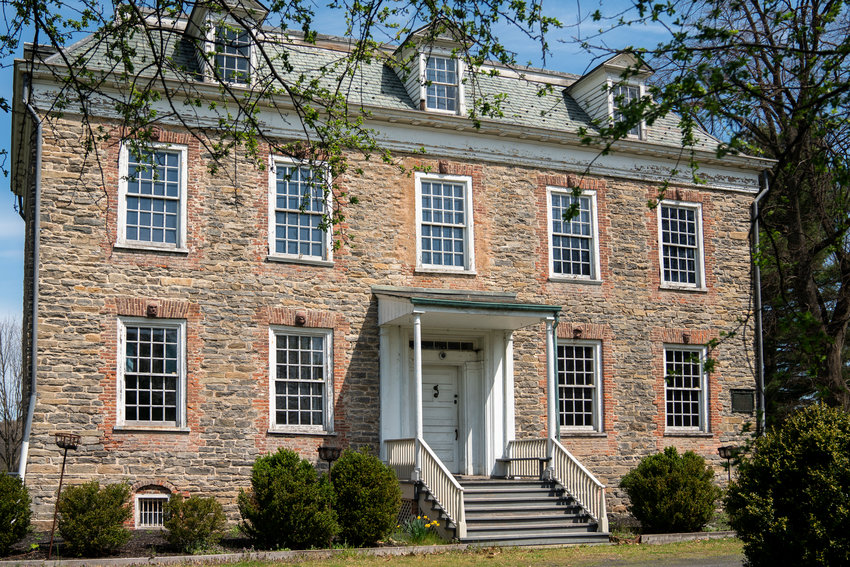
183, 322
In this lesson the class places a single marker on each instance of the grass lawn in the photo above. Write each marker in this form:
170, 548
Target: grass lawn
582, 556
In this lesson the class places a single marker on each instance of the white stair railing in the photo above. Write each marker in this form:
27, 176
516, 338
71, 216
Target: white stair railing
445, 490
525, 449
581, 485
401, 455
436, 478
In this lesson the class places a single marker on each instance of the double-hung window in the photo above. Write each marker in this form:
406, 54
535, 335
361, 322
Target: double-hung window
152, 197
232, 54
298, 205
573, 236
680, 230
301, 383
685, 388
622, 96
579, 385
441, 83
444, 223
151, 373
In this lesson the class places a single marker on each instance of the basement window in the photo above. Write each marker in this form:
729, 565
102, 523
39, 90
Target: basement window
150, 510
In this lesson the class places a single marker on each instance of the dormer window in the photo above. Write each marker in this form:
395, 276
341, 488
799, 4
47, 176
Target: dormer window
232, 55
622, 96
441, 84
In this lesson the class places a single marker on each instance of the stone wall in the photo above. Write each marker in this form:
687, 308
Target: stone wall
229, 293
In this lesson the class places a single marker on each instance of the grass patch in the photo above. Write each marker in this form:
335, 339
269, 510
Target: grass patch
579, 556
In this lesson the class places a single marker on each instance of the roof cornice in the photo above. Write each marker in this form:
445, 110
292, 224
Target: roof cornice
488, 127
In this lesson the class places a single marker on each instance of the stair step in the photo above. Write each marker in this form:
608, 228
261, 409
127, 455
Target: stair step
530, 507
557, 519
571, 539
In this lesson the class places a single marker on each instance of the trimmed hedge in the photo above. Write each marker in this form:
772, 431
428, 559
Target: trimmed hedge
791, 501
194, 523
288, 506
368, 498
670, 493
91, 518
14, 511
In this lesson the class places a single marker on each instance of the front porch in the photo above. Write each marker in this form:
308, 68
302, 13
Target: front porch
447, 406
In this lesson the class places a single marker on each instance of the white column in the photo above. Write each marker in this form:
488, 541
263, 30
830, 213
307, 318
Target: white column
417, 391
551, 389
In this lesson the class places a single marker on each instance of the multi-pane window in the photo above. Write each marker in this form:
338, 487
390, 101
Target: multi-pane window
573, 241
152, 197
301, 378
622, 96
441, 85
151, 373
681, 259
578, 379
150, 510
685, 395
444, 223
298, 212
232, 54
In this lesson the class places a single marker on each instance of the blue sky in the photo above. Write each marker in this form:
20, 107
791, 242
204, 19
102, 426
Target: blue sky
566, 56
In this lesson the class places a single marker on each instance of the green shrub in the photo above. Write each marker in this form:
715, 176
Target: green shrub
91, 518
368, 498
671, 493
791, 501
193, 524
288, 506
14, 511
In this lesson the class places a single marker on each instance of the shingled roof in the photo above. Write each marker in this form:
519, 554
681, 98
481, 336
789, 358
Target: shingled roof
374, 84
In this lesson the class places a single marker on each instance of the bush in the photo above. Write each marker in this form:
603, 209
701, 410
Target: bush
91, 518
195, 523
289, 506
14, 511
791, 501
671, 493
368, 498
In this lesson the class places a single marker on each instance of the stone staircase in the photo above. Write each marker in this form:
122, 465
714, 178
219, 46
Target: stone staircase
524, 512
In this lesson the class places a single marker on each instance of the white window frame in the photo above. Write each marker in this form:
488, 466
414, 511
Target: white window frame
123, 168
460, 65
213, 23
595, 270
613, 108
597, 386
701, 352
138, 515
700, 254
327, 412
180, 325
327, 257
469, 236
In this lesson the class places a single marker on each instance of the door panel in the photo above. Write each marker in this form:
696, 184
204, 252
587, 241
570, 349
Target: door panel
440, 412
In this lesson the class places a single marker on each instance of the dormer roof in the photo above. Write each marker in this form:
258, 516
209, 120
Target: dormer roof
614, 69
249, 11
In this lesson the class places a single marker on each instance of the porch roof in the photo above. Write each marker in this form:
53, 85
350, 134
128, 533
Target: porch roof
458, 309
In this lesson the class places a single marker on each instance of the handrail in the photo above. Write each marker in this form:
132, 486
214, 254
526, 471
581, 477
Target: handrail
440, 483
445, 490
580, 483
520, 448
401, 456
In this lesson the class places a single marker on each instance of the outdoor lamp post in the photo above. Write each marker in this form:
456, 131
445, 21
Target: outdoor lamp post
727, 452
329, 454
64, 441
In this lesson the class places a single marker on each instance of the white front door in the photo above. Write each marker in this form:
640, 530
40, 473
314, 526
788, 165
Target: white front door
440, 413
